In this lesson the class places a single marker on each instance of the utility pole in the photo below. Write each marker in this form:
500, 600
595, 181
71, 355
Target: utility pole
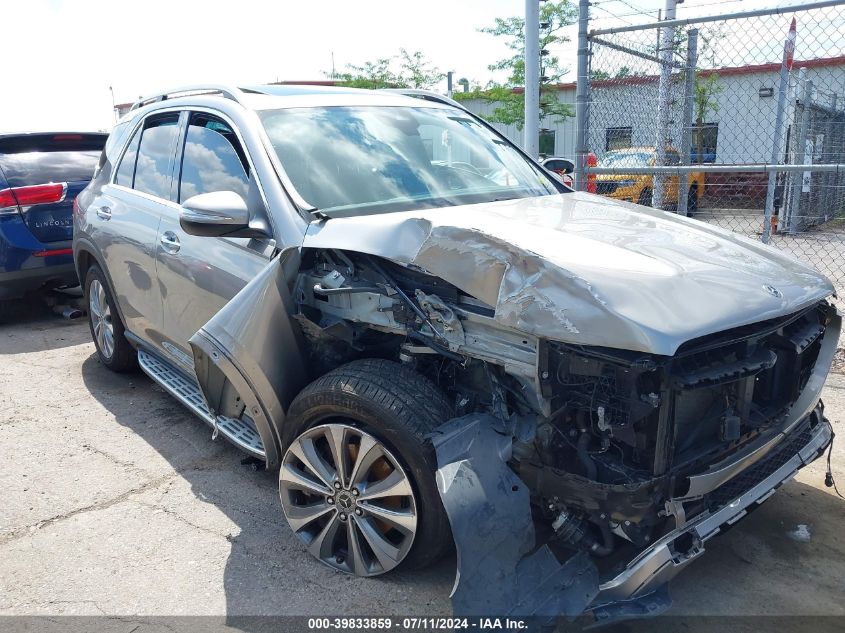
664, 103
582, 96
531, 144
449, 76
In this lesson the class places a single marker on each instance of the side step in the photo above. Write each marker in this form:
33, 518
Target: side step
241, 432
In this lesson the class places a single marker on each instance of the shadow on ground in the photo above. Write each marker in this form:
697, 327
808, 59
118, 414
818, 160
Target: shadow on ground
21, 318
759, 568
267, 565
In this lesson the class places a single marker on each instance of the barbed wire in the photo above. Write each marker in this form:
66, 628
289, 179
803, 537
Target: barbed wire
613, 15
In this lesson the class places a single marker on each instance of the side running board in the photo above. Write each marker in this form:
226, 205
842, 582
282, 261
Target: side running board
241, 432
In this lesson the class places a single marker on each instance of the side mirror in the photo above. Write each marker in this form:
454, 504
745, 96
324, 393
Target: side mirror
559, 165
214, 214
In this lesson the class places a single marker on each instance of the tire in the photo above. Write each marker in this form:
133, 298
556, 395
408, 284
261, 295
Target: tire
645, 198
398, 407
692, 201
120, 356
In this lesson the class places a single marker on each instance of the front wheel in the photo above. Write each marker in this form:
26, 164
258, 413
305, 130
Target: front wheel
357, 478
645, 198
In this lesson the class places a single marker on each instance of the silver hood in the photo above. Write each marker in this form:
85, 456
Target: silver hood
588, 270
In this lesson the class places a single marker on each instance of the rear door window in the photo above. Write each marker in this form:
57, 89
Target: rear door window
154, 163
213, 159
126, 169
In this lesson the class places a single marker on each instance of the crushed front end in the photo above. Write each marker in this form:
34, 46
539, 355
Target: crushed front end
644, 458
621, 464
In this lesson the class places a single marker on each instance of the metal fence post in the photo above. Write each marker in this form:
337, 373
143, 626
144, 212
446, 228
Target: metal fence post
830, 147
800, 146
532, 78
686, 130
777, 140
582, 96
664, 106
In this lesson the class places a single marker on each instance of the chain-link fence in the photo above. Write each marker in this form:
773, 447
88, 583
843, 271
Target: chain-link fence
706, 117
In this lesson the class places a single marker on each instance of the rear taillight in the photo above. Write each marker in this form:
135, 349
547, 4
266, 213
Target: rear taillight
13, 198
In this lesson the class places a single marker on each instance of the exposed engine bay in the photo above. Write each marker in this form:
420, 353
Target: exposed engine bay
617, 448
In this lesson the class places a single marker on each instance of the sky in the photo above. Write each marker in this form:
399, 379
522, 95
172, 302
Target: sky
70, 52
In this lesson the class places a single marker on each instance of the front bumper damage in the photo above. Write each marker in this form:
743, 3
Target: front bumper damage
499, 570
502, 572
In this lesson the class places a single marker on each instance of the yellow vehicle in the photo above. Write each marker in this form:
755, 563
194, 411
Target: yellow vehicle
639, 188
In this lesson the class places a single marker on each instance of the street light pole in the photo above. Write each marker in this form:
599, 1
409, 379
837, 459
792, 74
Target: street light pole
113, 107
531, 144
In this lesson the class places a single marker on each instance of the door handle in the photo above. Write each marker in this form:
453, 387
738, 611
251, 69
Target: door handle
104, 213
170, 242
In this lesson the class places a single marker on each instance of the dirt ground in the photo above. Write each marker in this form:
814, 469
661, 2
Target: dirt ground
116, 501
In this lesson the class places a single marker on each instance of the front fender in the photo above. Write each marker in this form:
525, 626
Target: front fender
253, 349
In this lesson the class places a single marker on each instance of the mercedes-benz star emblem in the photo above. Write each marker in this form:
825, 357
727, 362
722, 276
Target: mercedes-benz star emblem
345, 501
773, 291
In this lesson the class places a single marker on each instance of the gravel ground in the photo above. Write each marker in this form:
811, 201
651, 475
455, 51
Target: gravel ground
117, 502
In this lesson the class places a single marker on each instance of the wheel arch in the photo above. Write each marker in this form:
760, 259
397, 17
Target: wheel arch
86, 255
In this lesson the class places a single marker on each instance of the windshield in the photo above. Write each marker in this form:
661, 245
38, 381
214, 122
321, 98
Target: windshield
627, 159
360, 160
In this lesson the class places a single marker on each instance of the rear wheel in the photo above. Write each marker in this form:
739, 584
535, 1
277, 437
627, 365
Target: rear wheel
107, 329
357, 477
645, 197
692, 200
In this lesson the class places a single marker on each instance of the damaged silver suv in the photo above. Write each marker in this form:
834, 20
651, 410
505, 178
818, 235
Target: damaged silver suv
435, 342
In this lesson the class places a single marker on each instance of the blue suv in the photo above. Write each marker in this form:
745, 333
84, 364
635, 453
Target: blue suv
40, 177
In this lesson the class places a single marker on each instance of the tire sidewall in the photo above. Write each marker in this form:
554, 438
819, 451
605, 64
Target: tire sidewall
418, 459
692, 200
119, 359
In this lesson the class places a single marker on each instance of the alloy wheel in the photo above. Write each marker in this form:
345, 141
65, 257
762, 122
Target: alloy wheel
101, 319
348, 499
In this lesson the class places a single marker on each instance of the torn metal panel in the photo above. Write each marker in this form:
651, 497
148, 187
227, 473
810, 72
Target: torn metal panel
589, 270
489, 511
253, 345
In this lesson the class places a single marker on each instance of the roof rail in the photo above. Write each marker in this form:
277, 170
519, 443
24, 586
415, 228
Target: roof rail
427, 95
227, 92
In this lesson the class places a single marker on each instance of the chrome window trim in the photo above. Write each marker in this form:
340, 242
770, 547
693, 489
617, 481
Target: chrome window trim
176, 176
126, 145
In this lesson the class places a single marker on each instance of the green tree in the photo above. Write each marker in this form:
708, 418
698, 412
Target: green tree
373, 75
406, 70
510, 104
622, 73
706, 89
417, 72
707, 86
